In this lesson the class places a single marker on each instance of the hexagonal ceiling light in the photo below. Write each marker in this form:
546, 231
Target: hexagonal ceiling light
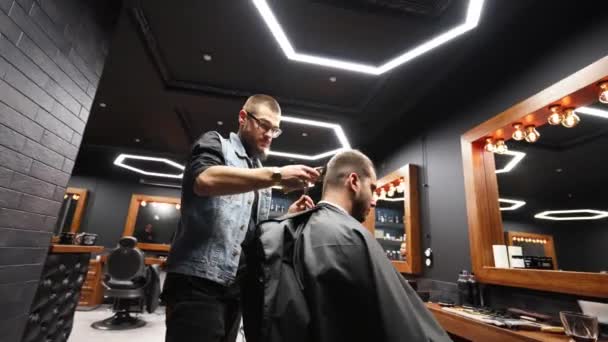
514, 204
471, 21
517, 157
593, 215
335, 127
122, 158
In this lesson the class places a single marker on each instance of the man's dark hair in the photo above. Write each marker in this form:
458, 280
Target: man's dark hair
345, 163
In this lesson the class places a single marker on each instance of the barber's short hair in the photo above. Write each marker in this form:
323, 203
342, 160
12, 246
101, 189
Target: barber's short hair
345, 163
254, 102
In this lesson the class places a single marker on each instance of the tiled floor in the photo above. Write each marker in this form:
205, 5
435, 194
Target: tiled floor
153, 331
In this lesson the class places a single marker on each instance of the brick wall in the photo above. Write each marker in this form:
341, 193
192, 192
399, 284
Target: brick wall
51, 57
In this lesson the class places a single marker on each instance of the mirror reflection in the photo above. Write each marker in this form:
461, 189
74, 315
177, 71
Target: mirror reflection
390, 213
156, 222
71, 211
553, 203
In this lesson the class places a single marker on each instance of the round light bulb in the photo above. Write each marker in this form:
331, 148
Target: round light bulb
382, 193
75, 197
143, 203
604, 93
490, 147
500, 146
556, 117
571, 119
518, 133
65, 196
178, 206
532, 134
401, 188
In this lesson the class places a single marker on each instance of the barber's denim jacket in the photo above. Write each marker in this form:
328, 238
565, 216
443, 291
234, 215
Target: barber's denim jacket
208, 240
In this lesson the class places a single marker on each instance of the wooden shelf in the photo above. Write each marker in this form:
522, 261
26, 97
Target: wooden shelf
392, 243
57, 248
478, 331
388, 225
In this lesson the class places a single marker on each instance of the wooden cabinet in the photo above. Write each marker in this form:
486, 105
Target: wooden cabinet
92, 289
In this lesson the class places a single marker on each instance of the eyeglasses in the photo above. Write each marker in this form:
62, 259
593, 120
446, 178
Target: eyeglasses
266, 126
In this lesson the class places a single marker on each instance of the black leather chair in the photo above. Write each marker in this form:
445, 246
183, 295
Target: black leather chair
131, 283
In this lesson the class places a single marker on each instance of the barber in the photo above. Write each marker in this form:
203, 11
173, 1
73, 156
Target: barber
225, 193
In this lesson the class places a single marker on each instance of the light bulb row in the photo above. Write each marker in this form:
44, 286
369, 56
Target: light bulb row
528, 133
75, 197
389, 190
529, 240
154, 204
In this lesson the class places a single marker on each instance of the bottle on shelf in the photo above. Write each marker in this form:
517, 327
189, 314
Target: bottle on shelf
464, 293
474, 290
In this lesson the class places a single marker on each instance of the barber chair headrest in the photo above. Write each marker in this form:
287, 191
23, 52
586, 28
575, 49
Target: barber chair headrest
126, 262
128, 242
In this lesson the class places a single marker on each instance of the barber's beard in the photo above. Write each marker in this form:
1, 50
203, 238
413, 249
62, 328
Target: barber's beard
251, 147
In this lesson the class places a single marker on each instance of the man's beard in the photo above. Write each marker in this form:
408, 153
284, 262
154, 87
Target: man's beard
359, 210
252, 150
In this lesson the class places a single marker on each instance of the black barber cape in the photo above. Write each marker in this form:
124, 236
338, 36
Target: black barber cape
352, 290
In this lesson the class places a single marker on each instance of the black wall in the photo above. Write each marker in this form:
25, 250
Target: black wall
468, 100
108, 204
52, 55
579, 245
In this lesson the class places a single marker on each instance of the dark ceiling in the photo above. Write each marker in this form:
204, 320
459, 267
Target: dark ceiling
160, 94
565, 169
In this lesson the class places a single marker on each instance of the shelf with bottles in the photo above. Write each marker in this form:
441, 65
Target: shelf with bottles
394, 255
389, 216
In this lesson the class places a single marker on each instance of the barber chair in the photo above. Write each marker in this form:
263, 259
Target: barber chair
132, 284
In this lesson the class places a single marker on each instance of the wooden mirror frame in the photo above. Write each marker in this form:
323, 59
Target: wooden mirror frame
413, 262
136, 199
79, 212
481, 186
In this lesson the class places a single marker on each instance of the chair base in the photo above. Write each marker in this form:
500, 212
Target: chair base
120, 321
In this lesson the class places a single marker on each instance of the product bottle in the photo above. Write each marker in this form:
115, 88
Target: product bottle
464, 293
474, 290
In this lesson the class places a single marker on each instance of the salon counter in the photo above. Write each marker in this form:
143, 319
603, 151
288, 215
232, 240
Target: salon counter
477, 331
57, 248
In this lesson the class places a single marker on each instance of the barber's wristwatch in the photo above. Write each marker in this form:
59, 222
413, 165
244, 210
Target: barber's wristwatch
276, 176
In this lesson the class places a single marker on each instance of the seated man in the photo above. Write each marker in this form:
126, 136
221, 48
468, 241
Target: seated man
352, 291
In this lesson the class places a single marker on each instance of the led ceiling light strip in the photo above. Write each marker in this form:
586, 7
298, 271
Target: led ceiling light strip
515, 204
592, 111
120, 161
338, 131
547, 215
517, 157
471, 21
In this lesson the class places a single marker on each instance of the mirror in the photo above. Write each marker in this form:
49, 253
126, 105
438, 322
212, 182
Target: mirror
558, 190
394, 221
542, 198
71, 211
390, 228
153, 221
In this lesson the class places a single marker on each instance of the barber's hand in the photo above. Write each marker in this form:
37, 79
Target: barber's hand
294, 177
301, 204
